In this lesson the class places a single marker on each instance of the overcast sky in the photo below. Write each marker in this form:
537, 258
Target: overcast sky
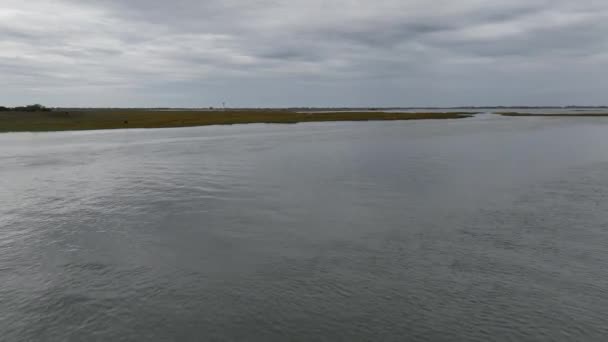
191, 53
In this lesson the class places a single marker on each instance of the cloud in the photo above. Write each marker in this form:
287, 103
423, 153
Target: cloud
315, 52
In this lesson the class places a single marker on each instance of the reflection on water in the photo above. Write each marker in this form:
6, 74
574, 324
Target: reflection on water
476, 229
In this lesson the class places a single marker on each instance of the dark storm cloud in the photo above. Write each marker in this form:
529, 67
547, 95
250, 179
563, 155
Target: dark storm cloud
276, 52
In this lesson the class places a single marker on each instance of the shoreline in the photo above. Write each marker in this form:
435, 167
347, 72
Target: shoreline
553, 115
121, 119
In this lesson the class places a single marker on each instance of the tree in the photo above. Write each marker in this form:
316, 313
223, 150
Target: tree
32, 108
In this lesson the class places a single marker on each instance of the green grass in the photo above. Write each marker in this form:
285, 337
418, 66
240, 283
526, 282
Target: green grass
113, 119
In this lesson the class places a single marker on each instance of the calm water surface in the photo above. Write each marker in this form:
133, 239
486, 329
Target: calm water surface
489, 228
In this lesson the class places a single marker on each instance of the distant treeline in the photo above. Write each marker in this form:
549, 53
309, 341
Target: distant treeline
29, 108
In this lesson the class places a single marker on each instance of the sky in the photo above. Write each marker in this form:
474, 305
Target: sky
318, 53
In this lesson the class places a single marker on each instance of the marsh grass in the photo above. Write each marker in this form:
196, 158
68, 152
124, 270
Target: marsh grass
114, 119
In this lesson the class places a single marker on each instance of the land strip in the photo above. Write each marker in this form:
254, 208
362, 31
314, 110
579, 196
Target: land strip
64, 120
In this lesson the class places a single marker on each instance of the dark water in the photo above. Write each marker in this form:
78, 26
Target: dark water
489, 228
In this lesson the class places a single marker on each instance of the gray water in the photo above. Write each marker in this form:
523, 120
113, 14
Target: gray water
489, 228
529, 110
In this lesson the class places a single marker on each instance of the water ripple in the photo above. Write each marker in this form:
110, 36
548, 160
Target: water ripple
473, 230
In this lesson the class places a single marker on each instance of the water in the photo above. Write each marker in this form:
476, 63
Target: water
489, 110
489, 228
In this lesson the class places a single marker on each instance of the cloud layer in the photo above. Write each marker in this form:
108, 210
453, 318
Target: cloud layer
303, 52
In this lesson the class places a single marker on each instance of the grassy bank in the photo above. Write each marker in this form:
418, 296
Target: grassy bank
112, 119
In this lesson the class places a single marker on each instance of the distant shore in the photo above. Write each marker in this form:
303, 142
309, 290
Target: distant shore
70, 120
